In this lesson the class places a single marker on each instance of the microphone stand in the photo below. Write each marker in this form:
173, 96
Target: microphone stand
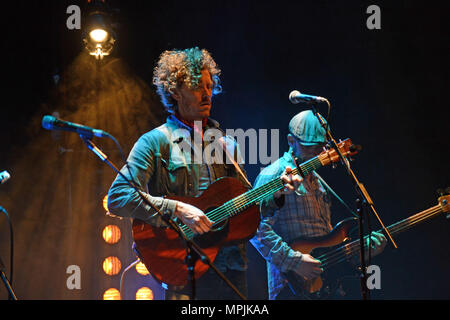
12, 295
193, 251
5, 280
363, 202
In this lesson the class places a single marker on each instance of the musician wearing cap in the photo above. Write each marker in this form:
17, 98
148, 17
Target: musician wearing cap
305, 213
186, 81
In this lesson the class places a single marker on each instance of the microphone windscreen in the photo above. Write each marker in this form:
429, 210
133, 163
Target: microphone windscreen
47, 122
4, 176
293, 96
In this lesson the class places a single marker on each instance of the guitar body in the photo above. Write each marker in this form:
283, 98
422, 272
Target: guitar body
340, 233
163, 252
338, 247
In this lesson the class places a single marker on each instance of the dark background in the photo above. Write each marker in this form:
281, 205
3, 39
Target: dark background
387, 88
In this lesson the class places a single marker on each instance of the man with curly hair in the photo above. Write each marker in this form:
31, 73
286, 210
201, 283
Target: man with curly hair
161, 162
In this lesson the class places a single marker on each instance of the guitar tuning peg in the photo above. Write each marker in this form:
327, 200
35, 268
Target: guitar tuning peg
443, 192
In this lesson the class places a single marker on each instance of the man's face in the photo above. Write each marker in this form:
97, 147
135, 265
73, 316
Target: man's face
195, 104
305, 153
309, 152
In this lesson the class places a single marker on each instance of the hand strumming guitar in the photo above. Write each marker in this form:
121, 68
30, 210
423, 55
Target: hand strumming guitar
309, 267
193, 217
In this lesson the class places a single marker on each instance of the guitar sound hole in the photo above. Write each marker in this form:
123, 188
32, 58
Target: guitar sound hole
217, 226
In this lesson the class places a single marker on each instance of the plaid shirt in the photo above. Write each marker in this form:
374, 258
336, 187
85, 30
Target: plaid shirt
306, 213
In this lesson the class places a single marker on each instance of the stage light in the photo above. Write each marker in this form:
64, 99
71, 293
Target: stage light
111, 234
141, 269
98, 35
144, 293
111, 294
112, 265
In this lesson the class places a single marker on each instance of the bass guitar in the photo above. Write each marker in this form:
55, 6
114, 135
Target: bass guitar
235, 216
344, 249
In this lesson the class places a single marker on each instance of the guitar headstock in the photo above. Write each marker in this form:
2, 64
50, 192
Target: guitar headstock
347, 149
444, 201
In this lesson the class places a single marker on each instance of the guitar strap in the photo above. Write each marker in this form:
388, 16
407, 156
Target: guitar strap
236, 165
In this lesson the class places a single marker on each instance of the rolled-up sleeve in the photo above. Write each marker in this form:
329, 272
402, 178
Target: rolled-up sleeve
273, 249
124, 200
268, 243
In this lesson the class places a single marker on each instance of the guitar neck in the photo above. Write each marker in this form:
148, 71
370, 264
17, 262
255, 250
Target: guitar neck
249, 198
350, 249
414, 219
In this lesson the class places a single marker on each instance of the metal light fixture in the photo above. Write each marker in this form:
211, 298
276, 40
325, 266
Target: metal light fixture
98, 36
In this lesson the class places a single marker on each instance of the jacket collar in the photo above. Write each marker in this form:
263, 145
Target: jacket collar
175, 123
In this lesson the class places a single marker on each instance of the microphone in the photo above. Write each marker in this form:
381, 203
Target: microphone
297, 97
4, 176
52, 123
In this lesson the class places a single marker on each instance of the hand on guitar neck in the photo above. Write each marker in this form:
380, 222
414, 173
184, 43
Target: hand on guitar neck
291, 183
377, 243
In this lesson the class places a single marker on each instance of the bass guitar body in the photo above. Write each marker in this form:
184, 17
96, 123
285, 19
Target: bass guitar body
163, 252
319, 288
340, 248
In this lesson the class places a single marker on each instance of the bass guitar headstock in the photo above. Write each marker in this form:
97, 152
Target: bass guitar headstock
444, 201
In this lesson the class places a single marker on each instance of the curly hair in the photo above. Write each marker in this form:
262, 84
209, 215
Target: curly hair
176, 67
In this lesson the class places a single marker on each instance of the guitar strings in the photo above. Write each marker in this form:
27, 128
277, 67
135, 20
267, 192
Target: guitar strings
271, 186
393, 227
262, 192
341, 254
352, 247
223, 211
230, 207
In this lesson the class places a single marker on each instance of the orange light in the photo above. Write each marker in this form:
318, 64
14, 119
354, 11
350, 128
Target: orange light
141, 269
111, 234
111, 294
112, 266
105, 203
144, 293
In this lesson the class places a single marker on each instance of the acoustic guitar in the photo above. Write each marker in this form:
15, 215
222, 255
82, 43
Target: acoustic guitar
344, 249
235, 215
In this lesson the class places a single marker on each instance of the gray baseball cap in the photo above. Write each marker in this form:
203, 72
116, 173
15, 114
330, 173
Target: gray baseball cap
307, 129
